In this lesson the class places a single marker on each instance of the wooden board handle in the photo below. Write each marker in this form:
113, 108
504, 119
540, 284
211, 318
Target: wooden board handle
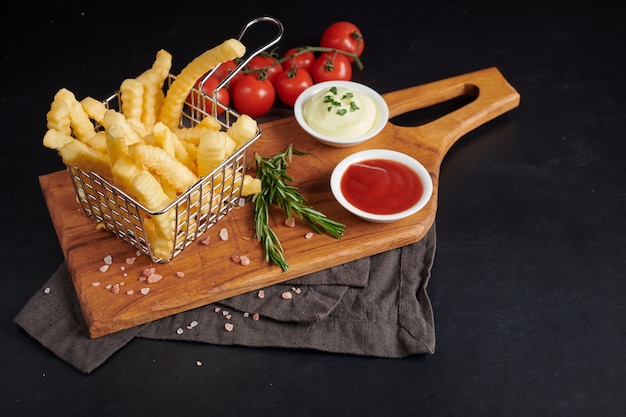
493, 97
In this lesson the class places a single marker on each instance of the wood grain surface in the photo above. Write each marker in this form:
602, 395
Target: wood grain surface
209, 273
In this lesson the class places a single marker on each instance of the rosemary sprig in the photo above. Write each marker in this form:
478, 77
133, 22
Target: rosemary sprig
275, 190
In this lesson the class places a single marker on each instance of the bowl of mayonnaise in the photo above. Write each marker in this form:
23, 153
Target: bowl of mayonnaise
341, 113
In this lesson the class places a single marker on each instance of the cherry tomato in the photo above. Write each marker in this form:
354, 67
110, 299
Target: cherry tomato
344, 36
225, 69
222, 96
268, 64
299, 59
253, 96
289, 84
331, 66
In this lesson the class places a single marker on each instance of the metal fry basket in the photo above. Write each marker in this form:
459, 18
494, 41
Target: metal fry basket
193, 212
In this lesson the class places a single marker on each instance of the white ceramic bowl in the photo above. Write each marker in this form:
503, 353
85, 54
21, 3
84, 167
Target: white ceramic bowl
382, 112
412, 163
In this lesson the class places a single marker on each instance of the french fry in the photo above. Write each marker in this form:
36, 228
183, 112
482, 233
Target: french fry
133, 178
148, 191
213, 149
58, 117
81, 124
184, 82
158, 74
243, 129
169, 141
112, 117
116, 143
250, 186
165, 165
55, 139
85, 157
95, 109
98, 142
131, 94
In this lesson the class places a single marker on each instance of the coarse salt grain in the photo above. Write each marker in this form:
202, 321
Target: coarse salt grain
95, 284
308, 235
179, 330
47, 290
241, 202
180, 274
256, 316
244, 260
246, 314
115, 289
192, 324
217, 309
130, 261
104, 268
236, 259
261, 294
290, 222
130, 292
229, 327
108, 259
145, 290
286, 295
152, 278
205, 241
198, 363
148, 271
224, 234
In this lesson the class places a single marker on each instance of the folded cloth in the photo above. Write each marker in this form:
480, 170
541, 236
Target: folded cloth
375, 306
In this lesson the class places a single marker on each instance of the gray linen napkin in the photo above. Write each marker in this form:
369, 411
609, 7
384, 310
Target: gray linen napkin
376, 306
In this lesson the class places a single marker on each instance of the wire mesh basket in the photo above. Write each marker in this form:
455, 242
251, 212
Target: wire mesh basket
190, 214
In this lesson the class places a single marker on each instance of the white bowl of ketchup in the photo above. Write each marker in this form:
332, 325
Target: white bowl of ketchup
381, 185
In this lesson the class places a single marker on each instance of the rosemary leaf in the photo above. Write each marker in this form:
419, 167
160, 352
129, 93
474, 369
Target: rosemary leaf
272, 172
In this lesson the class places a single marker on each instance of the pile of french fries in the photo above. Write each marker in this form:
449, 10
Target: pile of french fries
142, 148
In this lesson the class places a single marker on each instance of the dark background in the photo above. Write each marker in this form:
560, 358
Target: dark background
528, 283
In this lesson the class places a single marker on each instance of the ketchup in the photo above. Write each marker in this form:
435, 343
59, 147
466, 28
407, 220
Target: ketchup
381, 186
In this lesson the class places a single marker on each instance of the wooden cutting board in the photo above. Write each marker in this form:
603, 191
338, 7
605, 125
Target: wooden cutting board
209, 273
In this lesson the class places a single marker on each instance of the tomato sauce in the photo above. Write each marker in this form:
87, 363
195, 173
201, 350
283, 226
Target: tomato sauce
381, 186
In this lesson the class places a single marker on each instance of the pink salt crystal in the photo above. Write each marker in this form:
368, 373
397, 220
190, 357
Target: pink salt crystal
244, 260
152, 278
229, 327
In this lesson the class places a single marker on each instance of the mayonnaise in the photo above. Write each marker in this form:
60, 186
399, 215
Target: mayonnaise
340, 113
